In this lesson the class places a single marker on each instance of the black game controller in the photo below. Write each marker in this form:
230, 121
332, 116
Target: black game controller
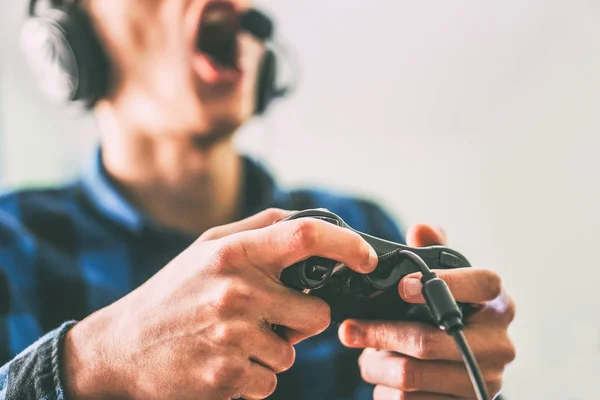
373, 296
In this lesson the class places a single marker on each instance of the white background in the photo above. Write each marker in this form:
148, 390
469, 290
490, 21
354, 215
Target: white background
481, 117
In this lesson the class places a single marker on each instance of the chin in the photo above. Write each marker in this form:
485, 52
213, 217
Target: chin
206, 141
222, 118
220, 129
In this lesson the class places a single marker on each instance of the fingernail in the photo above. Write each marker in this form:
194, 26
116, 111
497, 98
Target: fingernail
411, 288
354, 334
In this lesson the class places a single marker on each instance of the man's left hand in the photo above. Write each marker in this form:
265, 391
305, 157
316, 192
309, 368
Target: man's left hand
412, 361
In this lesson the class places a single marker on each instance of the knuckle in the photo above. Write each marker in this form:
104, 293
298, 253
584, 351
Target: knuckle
492, 285
239, 291
273, 213
288, 357
495, 386
225, 373
235, 294
226, 334
408, 377
208, 234
426, 346
305, 235
509, 351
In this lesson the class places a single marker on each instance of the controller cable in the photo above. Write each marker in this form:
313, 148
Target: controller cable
449, 318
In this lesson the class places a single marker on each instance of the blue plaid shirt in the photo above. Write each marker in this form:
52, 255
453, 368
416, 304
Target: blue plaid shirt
67, 252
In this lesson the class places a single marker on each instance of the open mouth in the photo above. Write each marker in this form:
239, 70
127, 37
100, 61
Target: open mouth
217, 37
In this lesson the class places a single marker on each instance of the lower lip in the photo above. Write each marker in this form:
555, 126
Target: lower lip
212, 73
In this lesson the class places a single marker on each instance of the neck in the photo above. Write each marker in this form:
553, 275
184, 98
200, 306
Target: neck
178, 184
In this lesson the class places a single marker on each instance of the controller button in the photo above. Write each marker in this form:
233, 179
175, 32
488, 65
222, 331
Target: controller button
452, 261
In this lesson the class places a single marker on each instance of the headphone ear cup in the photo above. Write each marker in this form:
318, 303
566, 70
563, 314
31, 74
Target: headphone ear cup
66, 57
267, 90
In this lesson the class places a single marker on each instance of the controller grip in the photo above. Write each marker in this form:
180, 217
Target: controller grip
354, 296
374, 296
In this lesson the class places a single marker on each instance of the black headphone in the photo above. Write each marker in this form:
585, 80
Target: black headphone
71, 65
261, 27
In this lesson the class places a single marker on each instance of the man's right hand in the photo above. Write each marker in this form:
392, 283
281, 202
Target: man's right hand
201, 327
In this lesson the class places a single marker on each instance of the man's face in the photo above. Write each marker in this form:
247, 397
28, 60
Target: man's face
162, 82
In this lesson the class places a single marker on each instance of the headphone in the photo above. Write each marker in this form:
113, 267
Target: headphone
71, 66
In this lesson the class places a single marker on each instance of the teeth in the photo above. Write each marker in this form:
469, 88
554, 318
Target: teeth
215, 16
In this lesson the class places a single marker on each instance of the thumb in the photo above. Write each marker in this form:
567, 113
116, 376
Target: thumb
422, 235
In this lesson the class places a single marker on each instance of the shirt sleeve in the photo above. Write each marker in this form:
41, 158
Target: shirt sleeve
36, 372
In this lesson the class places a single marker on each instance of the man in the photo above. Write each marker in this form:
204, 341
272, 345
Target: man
136, 281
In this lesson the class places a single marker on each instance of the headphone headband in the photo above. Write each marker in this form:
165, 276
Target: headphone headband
65, 55
65, 5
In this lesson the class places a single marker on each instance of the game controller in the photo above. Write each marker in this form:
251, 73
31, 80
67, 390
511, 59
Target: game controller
373, 296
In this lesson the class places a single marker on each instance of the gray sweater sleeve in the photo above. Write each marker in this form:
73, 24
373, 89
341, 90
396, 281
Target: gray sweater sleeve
35, 374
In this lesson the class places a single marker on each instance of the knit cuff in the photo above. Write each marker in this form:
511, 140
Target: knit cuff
56, 359
36, 372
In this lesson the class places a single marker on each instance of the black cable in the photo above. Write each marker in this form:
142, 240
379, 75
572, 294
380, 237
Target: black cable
471, 364
427, 273
448, 316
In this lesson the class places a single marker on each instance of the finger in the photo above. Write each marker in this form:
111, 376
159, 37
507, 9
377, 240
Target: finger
426, 342
259, 383
411, 375
304, 315
271, 351
425, 235
260, 220
468, 285
283, 244
500, 311
386, 393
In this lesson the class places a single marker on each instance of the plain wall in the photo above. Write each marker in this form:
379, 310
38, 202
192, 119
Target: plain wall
481, 117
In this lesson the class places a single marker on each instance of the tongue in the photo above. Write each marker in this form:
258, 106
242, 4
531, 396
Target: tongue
212, 72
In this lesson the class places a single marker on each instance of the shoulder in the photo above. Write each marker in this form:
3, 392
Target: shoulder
46, 213
362, 214
18, 203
